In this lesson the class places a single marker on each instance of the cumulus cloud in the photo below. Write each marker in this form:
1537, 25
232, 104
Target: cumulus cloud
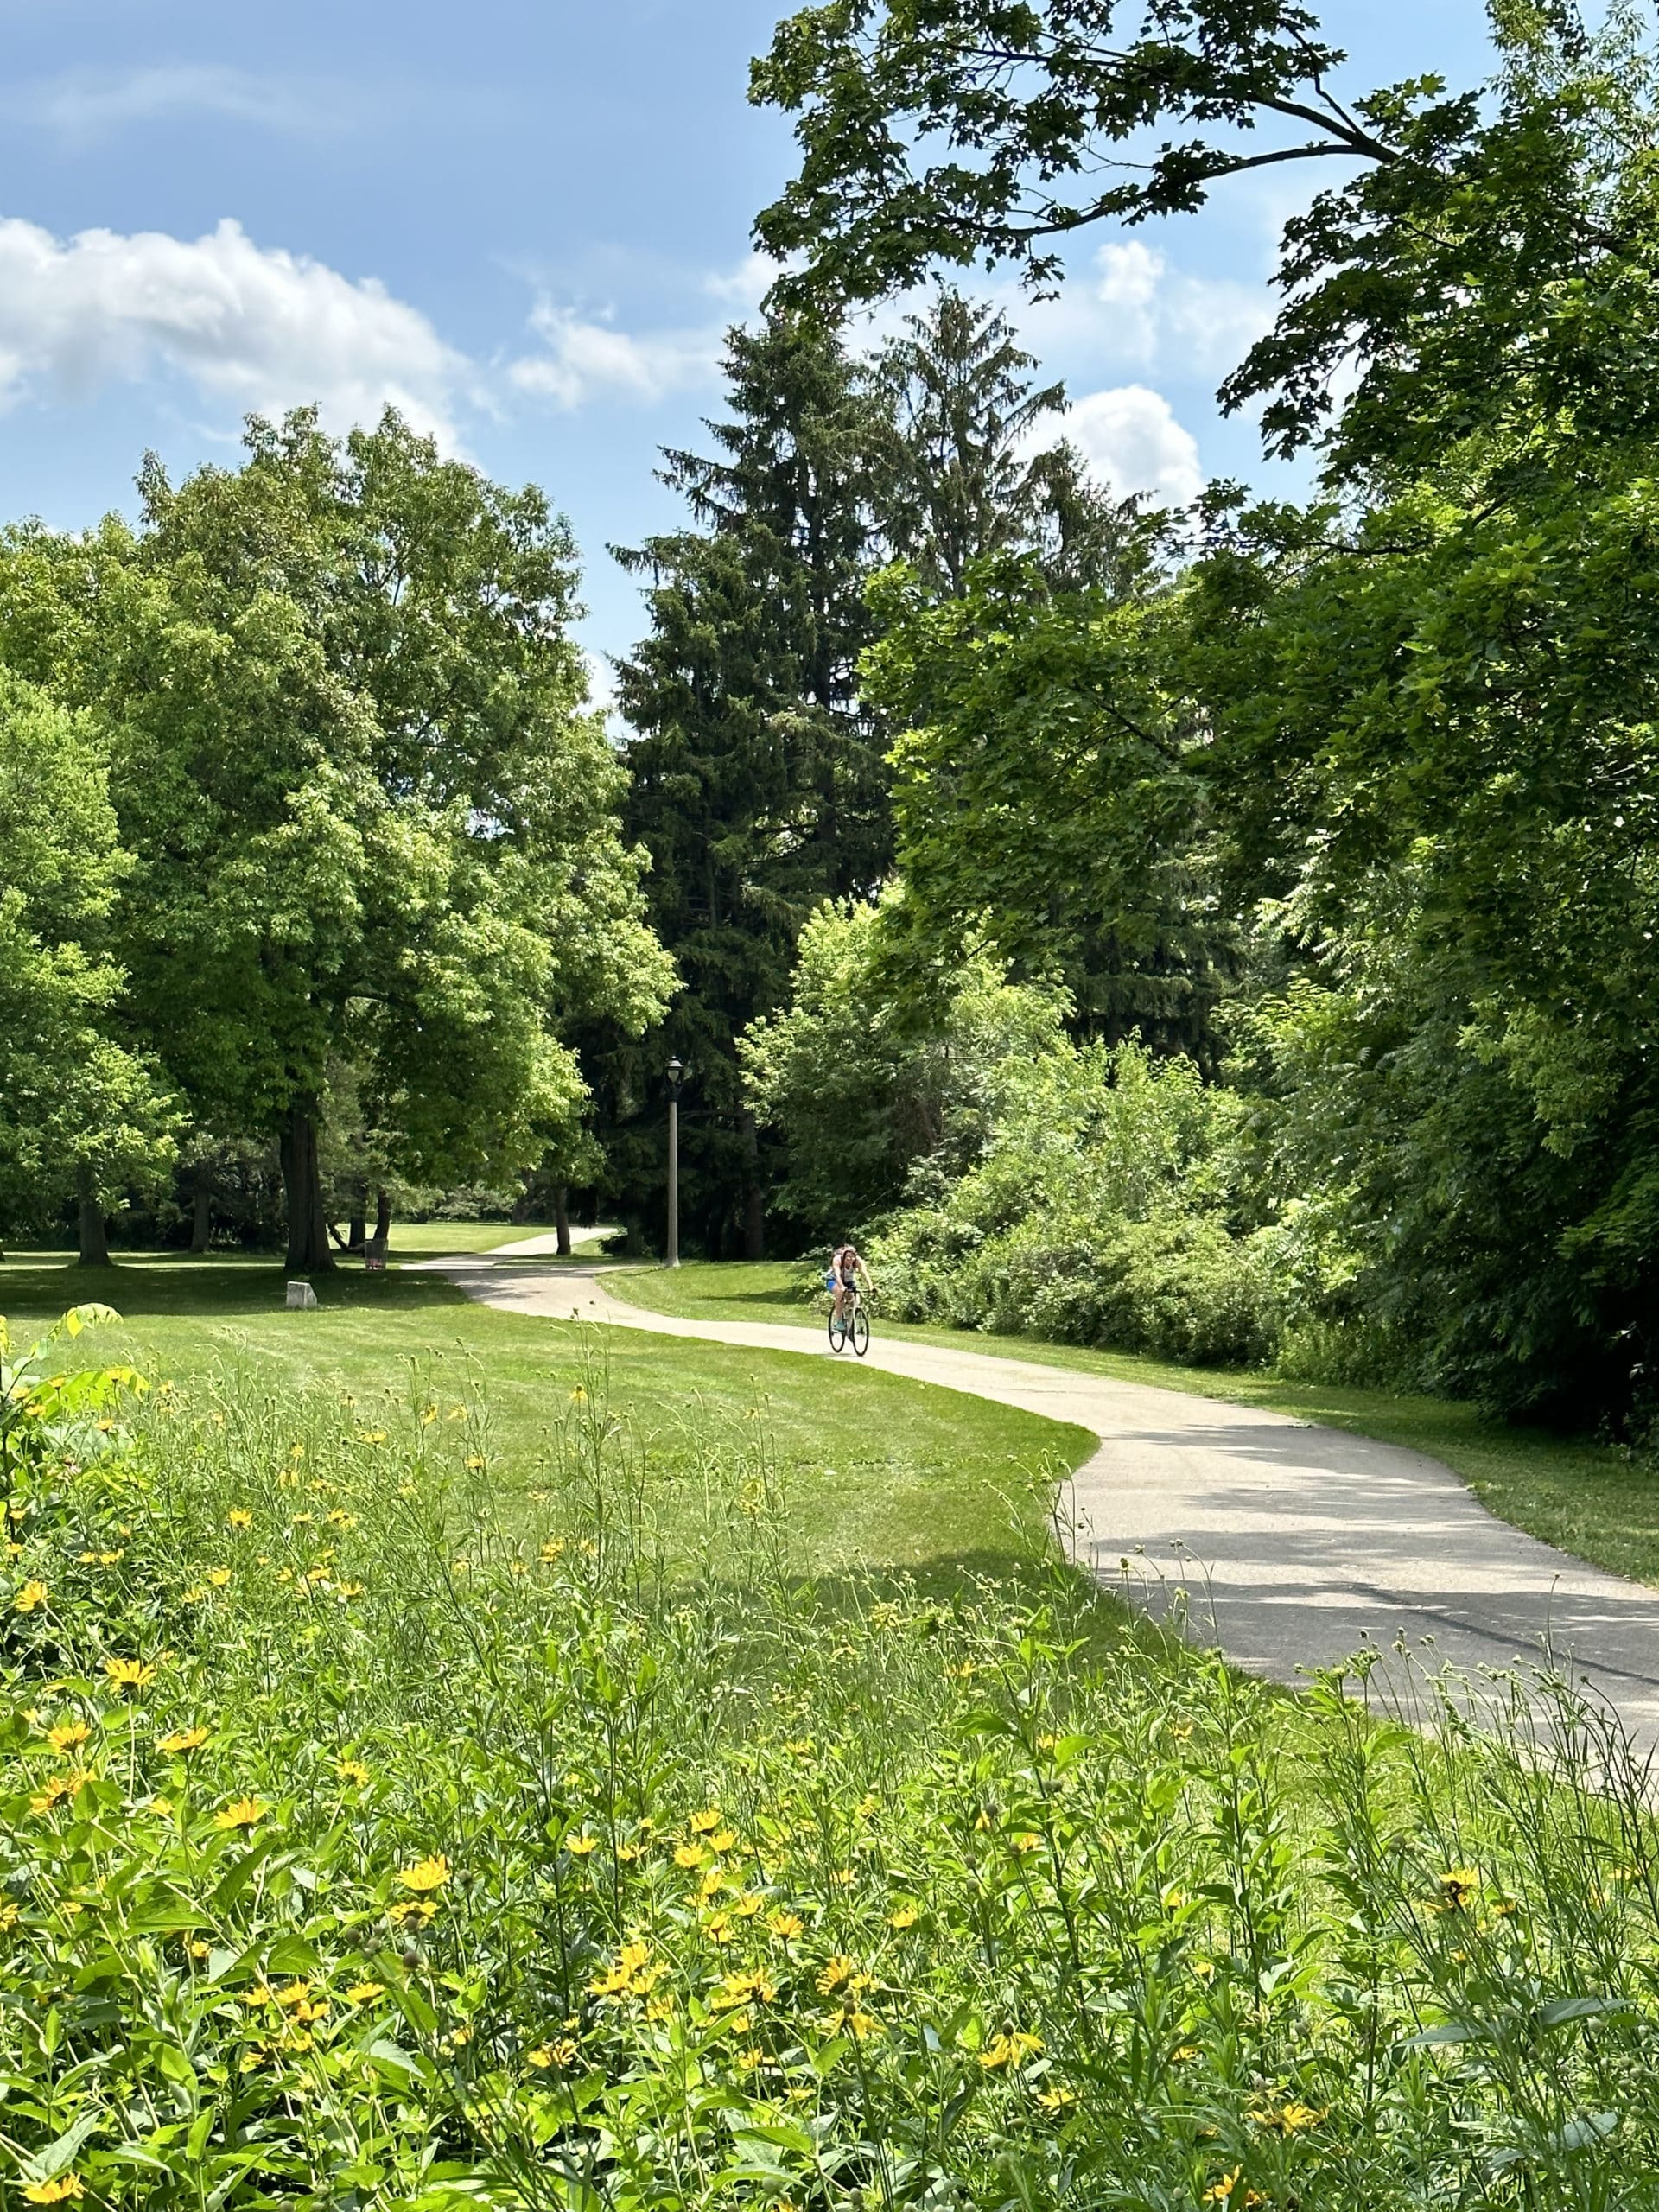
748, 284
586, 359
260, 328
1130, 437
1205, 323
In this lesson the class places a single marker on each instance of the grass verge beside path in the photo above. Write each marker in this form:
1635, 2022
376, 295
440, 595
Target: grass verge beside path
1593, 1500
879, 1472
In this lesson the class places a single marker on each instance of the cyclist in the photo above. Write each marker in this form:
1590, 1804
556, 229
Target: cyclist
847, 1270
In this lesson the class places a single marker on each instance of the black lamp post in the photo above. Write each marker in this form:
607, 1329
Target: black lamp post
675, 1077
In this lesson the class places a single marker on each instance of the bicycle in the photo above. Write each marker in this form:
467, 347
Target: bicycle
852, 1326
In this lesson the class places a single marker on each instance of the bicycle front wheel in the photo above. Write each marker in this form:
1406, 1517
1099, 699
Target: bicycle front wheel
838, 1332
861, 1331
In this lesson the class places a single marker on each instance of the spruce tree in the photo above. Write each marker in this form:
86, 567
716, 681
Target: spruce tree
962, 474
756, 778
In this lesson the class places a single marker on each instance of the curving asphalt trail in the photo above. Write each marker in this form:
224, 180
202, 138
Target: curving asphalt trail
1296, 1545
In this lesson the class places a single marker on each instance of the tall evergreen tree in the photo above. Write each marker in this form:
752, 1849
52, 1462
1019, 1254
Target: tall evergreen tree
757, 782
962, 473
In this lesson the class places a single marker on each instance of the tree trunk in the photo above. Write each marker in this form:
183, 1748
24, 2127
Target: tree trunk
357, 1228
382, 1216
201, 1216
755, 1196
308, 1228
94, 1233
561, 1218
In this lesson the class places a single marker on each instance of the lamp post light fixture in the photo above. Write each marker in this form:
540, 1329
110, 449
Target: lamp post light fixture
675, 1077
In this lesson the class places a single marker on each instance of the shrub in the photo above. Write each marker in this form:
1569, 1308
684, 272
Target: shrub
1098, 1216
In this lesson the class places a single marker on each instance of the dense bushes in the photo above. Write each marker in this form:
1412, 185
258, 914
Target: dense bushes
1097, 1214
1080, 1193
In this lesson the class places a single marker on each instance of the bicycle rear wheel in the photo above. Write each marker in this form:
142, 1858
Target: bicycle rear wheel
837, 1333
861, 1331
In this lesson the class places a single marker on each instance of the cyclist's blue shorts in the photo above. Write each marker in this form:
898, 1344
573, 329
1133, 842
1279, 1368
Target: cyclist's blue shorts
830, 1280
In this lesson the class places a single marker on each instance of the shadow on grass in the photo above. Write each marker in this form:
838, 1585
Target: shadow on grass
217, 1286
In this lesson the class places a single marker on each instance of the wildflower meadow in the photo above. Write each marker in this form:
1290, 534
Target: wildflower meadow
376, 1832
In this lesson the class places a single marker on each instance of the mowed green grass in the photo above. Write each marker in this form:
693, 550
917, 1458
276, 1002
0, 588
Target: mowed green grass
880, 1471
1598, 1501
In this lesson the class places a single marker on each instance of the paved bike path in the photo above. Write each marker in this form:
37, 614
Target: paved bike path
1296, 1544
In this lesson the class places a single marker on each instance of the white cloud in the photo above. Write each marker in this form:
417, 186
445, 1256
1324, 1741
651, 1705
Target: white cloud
1130, 437
585, 359
602, 681
1205, 324
86, 104
746, 285
263, 328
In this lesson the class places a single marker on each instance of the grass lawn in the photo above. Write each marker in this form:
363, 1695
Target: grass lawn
881, 1471
1591, 1499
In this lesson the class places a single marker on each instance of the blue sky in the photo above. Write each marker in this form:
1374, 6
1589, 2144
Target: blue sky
527, 224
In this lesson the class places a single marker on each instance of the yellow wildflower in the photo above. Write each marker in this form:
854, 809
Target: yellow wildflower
581, 1847
1009, 2050
426, 1874
365, 1993
704, 1823
906, 1917
553, 1548
67, 1734
1059, 2099
690, 1855
786, 1925
724, 1841
835, 1972
752, 1987
746, 1907
633, 1974
219, 1576
29, 1599
128, 1674
241, 1813
560, 2054
240, 1517
185, 1739
65, 2190
353, 1770
1289, 2118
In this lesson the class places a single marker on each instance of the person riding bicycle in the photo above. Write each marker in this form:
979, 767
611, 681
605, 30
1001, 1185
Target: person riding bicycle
846, 1271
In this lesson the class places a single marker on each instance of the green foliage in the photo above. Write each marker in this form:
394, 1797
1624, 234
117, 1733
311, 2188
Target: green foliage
861, 1082
369, 816
956, 478
1049, 792
972, 128
1396, 747
47, 1417
81, 1109
366, 1845
1098, 1214
756, 783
